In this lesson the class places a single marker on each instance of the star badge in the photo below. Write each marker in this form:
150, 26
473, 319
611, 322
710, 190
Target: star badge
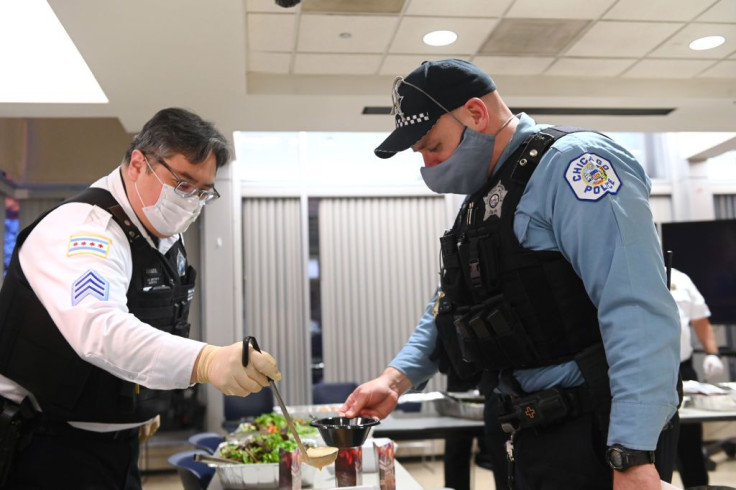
494, 200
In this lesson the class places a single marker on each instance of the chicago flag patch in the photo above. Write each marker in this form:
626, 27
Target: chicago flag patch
89, 244
591, 177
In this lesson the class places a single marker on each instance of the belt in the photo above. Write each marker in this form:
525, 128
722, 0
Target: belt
61, 428
546, 407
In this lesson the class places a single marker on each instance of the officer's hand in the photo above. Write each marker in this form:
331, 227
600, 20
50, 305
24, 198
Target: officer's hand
376, 398
223, 368
640, 477
712, 365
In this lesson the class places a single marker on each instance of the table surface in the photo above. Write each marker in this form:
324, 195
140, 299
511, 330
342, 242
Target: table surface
415, 425
694, 415
325, 479
402, 426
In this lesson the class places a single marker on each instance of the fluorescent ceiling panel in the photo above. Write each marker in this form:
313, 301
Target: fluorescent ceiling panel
40, 62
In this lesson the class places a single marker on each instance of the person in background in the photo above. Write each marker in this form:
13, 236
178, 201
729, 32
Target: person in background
694, 313
94, 309
551, 279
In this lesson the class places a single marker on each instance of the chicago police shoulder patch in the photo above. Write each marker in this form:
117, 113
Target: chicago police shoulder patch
91, 283
591, 177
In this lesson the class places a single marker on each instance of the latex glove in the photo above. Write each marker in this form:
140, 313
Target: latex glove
145, 431
712, 365
222, 367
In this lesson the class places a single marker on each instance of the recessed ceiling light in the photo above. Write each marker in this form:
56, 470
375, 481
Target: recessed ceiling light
439, 38
40, 62
707, 42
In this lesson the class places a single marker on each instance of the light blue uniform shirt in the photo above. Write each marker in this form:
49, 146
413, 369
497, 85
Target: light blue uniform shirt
612, 245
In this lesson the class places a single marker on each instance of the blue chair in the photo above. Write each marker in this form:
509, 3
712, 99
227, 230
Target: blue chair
194, 475
207, 441
323, 393
240, 408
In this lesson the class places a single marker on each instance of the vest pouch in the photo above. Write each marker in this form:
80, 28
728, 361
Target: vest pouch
490, 264
182, 329
448, 352
478, 255
492, 336
451, 276
156, 307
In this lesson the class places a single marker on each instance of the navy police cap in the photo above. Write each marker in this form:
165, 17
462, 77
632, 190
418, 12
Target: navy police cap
433, 89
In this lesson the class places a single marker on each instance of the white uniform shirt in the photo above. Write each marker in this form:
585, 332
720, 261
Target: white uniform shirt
99, 327
691, 306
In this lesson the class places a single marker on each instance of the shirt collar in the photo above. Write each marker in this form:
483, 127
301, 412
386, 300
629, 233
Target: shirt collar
526, 127
114, 183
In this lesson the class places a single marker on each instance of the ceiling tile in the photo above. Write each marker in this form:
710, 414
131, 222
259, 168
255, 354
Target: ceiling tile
471, 34
677, 46
589, 67
353, 7
650, 68
532, 37
271, 32
336, 64
610, 39
368, 34
268, 6
457, 8
559, 9
659, 10
403, 64
722, 69
269, 62
723, 11
513, 65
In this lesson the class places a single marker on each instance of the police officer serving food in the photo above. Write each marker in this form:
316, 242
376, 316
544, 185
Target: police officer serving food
95, 306
551, 279
694, 313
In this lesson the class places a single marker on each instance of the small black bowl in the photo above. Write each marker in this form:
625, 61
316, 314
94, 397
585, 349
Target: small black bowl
344, 432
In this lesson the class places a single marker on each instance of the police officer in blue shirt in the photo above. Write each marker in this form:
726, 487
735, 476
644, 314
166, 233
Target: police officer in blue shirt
551, 279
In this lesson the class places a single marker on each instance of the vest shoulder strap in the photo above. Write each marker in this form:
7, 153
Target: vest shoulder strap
534, 149
105, 200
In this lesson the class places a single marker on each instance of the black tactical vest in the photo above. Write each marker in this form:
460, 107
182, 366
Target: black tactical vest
505, 306
34, 354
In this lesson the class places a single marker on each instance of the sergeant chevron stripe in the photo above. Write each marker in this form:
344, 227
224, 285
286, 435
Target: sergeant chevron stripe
91, 283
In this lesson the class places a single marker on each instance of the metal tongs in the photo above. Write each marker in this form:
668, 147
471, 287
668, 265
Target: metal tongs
318, 458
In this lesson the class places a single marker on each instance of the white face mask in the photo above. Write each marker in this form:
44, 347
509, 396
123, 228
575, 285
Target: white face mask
171, 214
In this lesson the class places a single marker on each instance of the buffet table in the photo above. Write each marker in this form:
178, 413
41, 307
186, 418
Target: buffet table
696, 415
326, 479
401, 426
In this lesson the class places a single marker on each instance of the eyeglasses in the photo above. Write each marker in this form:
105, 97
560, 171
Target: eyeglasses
186, 189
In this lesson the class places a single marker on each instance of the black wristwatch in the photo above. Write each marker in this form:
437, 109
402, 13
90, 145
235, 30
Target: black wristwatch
621, 458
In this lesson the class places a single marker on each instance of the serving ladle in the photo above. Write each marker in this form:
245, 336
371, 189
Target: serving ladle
318, 457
